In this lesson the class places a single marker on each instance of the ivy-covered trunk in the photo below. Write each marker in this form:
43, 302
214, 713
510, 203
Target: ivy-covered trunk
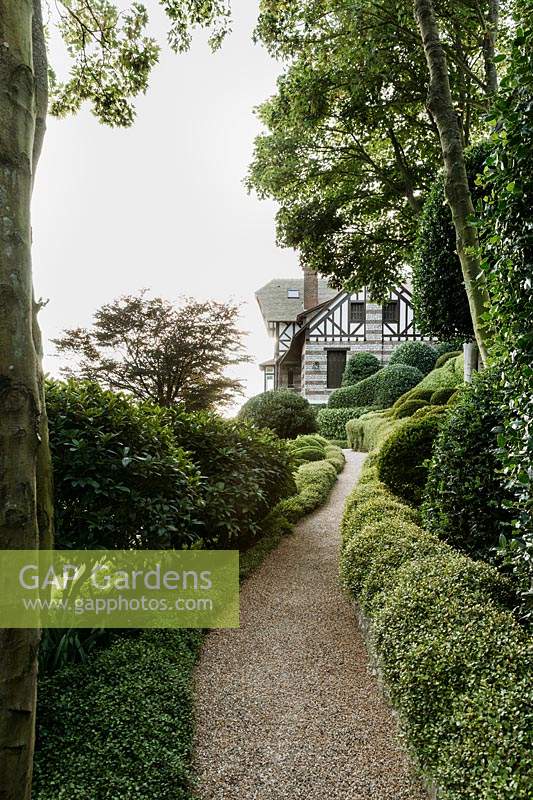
440, 104
25, 512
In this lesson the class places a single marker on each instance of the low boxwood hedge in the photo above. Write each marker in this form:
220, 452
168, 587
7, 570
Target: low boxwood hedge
332, 421
121, 725
379, 390
402, 460
314, 482
453, 657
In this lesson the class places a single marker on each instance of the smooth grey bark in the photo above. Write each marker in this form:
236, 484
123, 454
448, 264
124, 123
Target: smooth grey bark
23, 441
440, 103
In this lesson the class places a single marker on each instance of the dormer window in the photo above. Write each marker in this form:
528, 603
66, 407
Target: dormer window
293, 294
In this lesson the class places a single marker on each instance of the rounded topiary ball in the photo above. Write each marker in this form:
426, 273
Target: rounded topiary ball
415, 354
360, 366
286, 413
394, 381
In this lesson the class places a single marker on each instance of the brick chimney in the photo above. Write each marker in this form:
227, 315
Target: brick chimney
310, 288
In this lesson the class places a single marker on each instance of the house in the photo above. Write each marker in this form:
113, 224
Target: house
316, 328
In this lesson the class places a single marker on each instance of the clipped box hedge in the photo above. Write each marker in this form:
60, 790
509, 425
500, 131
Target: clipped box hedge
332, 421
120, 726
379, 390
314, 482
455, 661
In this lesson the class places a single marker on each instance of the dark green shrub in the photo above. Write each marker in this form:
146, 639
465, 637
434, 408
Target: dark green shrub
415, 354
453, 346
441, 396
380, 390
441, 360
120, 726
285, 412
246, 472
360, 366
465, 499
439, 296
332, 421
121, 480
403, 455
507, 186
408, 408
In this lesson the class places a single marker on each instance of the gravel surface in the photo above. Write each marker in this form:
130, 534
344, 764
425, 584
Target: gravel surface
287, 706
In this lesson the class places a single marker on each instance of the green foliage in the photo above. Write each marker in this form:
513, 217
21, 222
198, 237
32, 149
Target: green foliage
450, 376
456, 665
451, 346
426, 411
332, 421
110, 57
415, 354
379, 390
286, 413
314, 482
439, 295
402, 457
441, 396
166, 354
367, 432
413, 394
508, 191
360, 366
308, 453
383, 506
246, 471
348, 149
454, 659
121, 725
395, 380
121, 480
335, 456
408, 408
465, 499
441, 360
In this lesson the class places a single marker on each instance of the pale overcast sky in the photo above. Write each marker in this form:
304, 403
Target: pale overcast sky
162, 205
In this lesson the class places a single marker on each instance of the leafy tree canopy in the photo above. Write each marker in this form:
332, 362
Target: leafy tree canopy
111, 53
350, 147
160, 352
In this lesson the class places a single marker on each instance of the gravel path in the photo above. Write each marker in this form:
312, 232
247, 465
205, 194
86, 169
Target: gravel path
287, 706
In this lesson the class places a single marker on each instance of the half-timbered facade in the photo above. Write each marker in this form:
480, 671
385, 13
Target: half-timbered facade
316, 329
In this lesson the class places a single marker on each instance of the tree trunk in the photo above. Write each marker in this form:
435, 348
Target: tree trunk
489, 47
457, 191
22, 444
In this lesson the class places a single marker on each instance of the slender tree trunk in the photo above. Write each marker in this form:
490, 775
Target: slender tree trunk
22, 418
457, 191
489, 47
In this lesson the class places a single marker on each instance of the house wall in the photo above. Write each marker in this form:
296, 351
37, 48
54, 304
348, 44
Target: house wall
315, 355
